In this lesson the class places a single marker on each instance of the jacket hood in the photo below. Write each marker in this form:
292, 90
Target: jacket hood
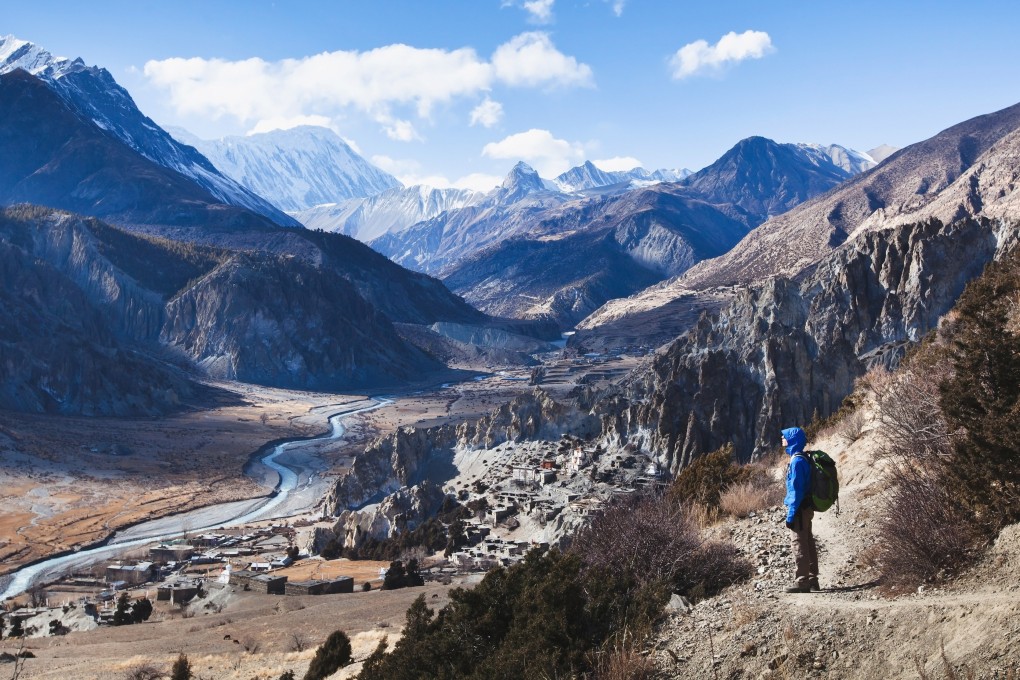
796, 440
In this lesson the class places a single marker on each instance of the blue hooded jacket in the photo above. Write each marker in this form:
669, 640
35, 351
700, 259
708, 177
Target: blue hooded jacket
798, 476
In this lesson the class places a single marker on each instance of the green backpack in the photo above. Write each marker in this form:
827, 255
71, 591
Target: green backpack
824, 480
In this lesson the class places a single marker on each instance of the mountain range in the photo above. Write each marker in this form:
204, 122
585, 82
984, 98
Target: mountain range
940, 177
92, 94
811, 299
527, 251
182, 284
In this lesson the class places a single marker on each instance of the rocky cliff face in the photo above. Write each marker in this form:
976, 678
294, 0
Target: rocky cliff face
278, 321
65, 342
787, 349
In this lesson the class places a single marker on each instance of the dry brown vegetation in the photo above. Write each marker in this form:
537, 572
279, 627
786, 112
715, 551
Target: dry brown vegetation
740, 500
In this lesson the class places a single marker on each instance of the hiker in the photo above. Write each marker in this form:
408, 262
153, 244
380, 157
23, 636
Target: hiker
800, 512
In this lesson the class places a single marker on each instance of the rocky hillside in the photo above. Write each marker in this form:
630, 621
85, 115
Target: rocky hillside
849, 629
281, 322
58, 354
786, 349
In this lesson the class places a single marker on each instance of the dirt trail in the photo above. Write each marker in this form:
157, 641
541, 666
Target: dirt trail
849, 630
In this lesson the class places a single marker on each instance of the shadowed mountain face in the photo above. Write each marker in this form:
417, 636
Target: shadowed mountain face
588, 252
53, 157
93, 313
93, 94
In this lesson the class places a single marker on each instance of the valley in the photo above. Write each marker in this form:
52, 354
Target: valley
507, 404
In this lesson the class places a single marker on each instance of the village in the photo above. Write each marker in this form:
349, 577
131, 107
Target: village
525, 495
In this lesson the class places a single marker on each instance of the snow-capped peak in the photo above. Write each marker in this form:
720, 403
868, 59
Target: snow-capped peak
297, 168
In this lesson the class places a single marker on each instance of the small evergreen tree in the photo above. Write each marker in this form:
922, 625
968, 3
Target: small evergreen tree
122, 616
373, 669
141, 610
394, 576
287, 675
332, 655
181, 669
16, 628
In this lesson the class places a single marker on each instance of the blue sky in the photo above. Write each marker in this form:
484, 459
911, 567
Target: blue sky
457, 91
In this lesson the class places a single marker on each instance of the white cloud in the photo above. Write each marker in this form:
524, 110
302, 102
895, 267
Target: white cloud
548, 155
617, 163
280, 123
531, 59
540, 10
478, 181
700, 57
388, 84
487, 114
400, 130
618, 6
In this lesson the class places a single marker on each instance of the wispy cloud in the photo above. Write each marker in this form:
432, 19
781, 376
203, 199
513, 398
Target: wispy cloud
699, 57
547, 154
540, 10
617, 6
392, 84
487, 114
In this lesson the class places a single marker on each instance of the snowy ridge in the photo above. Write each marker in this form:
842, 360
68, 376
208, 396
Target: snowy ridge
93, 92
589, 176
854, 162
295, 169
392, 211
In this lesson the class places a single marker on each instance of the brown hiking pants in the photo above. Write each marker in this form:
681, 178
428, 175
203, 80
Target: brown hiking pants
804, 550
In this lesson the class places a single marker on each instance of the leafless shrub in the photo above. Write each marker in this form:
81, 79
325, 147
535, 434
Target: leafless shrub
655, 541
298, 642
911, 416
924, 533
251, 645
625, 664
851, 428
739, 500
144, 672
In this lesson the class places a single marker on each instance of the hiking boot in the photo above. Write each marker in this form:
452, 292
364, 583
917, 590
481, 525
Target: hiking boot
799, 588
813, 585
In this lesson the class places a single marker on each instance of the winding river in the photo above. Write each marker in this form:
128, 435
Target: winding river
279, 504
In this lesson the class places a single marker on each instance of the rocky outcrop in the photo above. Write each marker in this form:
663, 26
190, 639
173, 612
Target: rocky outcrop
403, 510
786, 350
395, 483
